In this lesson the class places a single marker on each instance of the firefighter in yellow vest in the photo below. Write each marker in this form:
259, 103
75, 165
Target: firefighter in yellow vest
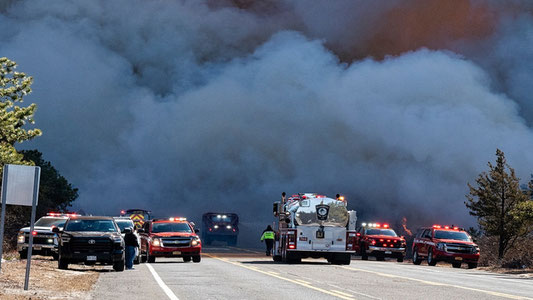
268, 237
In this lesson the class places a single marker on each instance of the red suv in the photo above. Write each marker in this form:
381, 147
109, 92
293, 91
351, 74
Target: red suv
173, 237
379, 240
445, 243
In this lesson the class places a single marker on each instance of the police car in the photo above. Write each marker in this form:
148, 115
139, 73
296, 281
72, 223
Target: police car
44, 240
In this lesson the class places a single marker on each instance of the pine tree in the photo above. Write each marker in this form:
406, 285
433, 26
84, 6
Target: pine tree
501, 207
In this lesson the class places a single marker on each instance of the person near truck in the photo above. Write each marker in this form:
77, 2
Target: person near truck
131, 243
268, 237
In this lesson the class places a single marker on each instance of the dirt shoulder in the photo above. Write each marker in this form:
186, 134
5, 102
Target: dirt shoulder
46, 280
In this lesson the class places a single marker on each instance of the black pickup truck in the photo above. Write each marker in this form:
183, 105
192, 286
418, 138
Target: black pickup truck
91, 240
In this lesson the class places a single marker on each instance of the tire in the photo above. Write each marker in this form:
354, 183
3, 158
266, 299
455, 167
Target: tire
399, 258
143, 258
186, 259
62, 263
456, 265
416, 257
150, 259
23, 254
118, 266
431, 261
472, 265
55, 256
380, 258
344, 259
197, 258
364, 255
137, 260
276, 258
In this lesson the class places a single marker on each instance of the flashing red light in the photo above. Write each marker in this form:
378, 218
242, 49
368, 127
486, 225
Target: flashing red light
122, 212
373, 242
384, 245
34, 233
437, 226
234, 230
378, 225
210, 229
446, 227
385, 225
456, 228
292, 246
358, 234
388, 241
391, 245
381, 240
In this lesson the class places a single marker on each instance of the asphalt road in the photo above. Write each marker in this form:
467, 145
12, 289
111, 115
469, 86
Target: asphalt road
244, 274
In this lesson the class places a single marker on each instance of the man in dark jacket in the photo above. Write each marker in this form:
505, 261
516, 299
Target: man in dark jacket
131, 242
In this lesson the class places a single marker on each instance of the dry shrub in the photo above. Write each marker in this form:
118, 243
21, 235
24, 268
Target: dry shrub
520, 256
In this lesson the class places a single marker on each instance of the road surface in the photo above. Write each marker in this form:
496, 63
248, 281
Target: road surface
245, 274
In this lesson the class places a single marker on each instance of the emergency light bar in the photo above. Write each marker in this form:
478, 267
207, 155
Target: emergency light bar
56, 214
376, 225
447, 227
177, 219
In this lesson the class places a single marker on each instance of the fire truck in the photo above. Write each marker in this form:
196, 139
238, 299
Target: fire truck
137, 215
312, 225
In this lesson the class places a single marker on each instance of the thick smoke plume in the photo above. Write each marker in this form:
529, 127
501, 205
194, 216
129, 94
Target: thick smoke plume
192, 106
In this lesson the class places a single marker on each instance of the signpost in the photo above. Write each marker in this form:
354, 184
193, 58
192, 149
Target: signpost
20, 186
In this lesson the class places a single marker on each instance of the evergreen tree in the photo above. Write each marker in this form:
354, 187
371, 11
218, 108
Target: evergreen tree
501, 207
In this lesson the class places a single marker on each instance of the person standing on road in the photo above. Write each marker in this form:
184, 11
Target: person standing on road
130, 240
268, 237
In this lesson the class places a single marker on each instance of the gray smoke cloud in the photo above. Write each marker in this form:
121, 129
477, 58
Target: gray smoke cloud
185, 107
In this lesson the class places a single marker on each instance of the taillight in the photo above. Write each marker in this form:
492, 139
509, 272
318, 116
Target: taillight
351, 240
291, 239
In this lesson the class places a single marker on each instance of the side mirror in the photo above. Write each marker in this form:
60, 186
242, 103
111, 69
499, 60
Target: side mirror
56, 230
196, 230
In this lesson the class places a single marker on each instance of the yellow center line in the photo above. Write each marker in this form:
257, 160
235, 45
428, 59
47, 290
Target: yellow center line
307, 285
342, 293
498, 294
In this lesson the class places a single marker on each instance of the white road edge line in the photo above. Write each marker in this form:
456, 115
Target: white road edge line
163, 286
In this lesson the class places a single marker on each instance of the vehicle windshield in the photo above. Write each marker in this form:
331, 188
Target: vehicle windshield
387, 232
170, 227
452, 235
91, 225
221, 218
49, 222
123, 224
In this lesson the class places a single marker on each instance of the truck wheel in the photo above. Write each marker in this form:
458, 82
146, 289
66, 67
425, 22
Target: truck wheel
399, 258
344, 259
456, 264
196, 258
137, 260
472, 265
380, 258
186, 259
55, 256
276, 258
416, 257
431, 260
23, 254
151, 259
118, 266
62, 263
143, 258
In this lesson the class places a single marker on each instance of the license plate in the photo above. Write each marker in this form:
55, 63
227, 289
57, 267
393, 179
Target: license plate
458, 258
388, 252
37, 247
176, 252
91, 258
320, 234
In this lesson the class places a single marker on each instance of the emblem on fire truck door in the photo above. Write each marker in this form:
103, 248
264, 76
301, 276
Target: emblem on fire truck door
322, 212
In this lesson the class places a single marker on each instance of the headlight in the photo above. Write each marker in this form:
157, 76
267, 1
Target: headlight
21, 238
156, 242
441, 246
194, 243
228, 227
216, 226
475, 249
